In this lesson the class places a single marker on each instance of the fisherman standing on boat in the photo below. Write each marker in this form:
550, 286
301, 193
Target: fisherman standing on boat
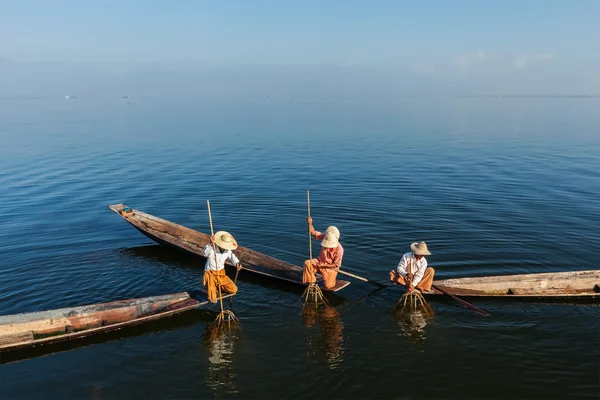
412, 270
214, 275
330, 259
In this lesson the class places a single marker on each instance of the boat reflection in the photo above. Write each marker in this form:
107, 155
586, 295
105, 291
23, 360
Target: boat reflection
329, 321
220, 343
413, 320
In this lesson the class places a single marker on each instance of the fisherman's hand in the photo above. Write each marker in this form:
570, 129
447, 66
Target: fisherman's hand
411, 288
212, 239
309, 220
239, 266
409, 277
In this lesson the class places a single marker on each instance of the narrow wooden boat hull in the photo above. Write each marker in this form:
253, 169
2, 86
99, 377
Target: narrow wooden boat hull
28, 330
556, 286
190, 241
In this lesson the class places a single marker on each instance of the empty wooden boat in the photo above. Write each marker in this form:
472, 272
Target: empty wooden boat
573, 285
193, 242
27, 330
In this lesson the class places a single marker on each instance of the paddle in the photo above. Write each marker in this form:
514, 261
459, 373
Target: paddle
461, 301
360, 278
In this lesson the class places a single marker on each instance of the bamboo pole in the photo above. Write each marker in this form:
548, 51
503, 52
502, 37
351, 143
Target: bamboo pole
212, 233
237, 271
230, 315
313, 291
309, 235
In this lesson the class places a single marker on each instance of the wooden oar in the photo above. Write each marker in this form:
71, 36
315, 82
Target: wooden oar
461, 301
360, 278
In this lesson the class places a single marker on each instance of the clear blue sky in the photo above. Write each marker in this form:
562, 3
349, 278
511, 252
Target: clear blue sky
445, 39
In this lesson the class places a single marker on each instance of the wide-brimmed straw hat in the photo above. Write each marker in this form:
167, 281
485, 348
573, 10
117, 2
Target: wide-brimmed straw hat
330, 241
335, 231
420, 249
225, 241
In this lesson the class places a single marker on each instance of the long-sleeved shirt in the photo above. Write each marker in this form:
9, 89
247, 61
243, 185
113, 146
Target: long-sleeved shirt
330, 256
418, 267
208, 252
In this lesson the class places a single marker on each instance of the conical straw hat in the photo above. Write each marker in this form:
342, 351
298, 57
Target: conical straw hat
225, 241
330, 241
335, 230
420, 249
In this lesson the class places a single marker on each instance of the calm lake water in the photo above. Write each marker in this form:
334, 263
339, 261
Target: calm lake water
494, 186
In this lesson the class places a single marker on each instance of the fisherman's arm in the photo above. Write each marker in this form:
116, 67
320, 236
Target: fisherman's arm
419, 274
312, 230
235, 261
402, 265
208, 250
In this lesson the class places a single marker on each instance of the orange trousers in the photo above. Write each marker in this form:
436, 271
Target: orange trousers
423, 286
312, 266
213, 279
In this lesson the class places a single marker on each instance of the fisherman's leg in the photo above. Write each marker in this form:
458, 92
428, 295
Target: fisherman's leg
397, 278
227, 285
329, 277
427, 281
209, 282
308, 275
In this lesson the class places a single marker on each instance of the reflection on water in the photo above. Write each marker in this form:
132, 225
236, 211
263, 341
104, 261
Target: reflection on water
332, 332
413, 320
220, 344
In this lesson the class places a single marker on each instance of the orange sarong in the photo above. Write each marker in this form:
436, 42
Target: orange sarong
312, 266
423, 286
213, 279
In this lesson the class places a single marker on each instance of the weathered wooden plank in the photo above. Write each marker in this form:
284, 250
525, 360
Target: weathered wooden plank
547, 291
16, 338
75, 323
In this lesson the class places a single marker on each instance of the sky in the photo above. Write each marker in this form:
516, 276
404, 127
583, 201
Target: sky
435, 46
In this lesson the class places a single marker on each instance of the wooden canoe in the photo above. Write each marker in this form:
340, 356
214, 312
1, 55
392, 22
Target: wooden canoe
193, 242
28, 330
575, 285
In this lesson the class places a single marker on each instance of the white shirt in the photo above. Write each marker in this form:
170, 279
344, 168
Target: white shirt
417, 267
221, 258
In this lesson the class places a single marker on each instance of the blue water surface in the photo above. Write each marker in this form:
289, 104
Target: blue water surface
493, 185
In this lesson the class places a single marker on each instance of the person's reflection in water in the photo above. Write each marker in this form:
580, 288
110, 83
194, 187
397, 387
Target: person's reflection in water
332, 336
413, 321
219, 342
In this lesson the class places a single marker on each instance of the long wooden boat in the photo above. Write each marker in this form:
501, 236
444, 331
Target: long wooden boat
28, 330
193, 242
575, 285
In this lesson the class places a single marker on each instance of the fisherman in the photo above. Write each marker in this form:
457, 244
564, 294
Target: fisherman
412, 270
214, 275
330, 259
